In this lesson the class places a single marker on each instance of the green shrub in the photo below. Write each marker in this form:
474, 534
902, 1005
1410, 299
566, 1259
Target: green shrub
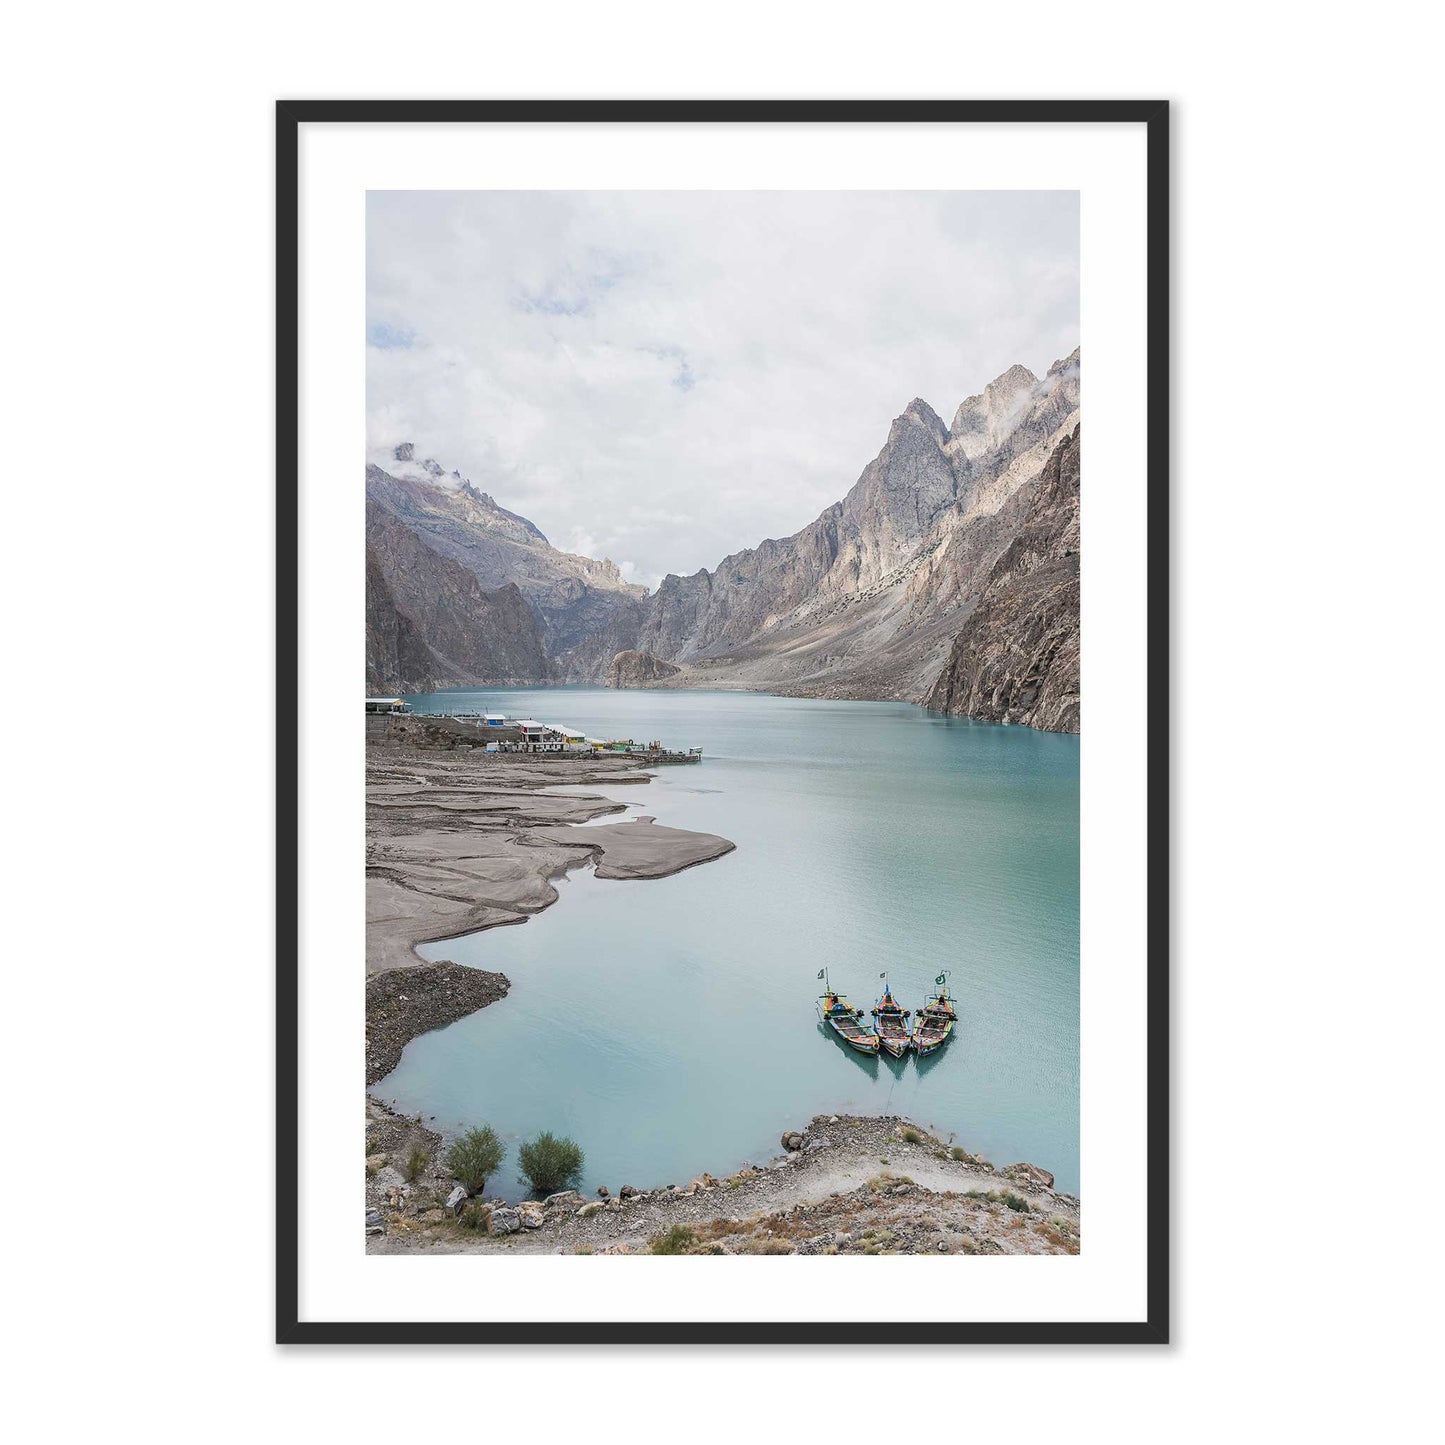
1016, 1202
475, 1216
474, 1158
416, 1163
678, 1240
960, 1154
911, 1136
550, 1164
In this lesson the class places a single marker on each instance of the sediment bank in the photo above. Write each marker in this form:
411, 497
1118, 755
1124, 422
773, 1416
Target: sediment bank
459, 840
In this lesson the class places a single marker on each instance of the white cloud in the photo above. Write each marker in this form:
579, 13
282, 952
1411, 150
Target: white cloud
678, 375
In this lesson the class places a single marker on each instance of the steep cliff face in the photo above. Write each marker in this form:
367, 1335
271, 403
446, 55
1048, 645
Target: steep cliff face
638, 669
573, 596
397, 659
430, 622
1016, 657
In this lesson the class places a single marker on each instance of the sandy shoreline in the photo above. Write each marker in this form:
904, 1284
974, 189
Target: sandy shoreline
459, 840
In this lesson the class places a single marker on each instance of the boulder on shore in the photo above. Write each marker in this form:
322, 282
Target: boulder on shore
504, 1221
1030, 1174
638, 669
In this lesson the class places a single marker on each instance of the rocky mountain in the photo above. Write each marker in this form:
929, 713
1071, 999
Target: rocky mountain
866, 600
573, 596
1016, 658
430, 623
875, 598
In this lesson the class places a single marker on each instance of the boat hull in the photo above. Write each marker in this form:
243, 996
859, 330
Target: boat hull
867, 1044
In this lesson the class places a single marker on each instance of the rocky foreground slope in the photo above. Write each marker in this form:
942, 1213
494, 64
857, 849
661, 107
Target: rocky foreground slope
843, 1185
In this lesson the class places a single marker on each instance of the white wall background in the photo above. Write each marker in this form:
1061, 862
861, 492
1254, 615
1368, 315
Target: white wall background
138, 512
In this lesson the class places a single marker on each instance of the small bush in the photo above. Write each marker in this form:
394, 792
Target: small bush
474, 1158
1016, 1202
959, 1154
416, 1163
911, 1136
550, 1164
678, 1240
475, 1216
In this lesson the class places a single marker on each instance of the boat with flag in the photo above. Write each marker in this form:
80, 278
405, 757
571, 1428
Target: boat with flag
891, 1021
844, 1019
934, 1025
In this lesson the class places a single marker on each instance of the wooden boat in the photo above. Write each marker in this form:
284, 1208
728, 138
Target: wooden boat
934, 1025
891, 1020
845, 1020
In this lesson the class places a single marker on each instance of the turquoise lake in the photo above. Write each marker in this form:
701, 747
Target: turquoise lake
670, 1026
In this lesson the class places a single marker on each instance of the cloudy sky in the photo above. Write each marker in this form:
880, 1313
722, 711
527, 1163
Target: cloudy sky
666, 377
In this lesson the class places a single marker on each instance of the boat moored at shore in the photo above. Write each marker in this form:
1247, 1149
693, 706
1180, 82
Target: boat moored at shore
845, 1020
934, 1025
891, 1020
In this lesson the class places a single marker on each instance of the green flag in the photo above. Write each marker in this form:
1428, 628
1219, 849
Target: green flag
941, 977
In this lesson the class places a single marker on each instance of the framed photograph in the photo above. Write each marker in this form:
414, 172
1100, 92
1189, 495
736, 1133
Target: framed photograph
740, 911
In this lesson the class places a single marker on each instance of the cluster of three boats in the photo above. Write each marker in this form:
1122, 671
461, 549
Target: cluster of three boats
891, 1029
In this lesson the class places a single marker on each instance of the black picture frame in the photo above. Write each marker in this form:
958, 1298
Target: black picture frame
290, 116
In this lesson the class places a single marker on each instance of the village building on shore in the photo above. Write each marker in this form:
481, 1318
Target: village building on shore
530, 735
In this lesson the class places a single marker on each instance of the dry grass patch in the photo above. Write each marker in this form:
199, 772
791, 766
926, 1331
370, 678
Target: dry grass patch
767, 1244
880, 1182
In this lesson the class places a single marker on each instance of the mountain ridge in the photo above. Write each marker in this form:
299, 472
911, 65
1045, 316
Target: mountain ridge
865, 600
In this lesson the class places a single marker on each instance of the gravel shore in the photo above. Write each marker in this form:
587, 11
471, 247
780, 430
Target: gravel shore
402, 1003
843, 1185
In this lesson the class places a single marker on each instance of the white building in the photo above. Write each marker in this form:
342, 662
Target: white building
537, 737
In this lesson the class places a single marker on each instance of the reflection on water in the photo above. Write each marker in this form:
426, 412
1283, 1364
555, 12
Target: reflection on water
670, 1026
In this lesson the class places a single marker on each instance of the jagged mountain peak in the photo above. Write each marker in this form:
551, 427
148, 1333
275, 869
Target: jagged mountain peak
919, 410
999, 396
988, 420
